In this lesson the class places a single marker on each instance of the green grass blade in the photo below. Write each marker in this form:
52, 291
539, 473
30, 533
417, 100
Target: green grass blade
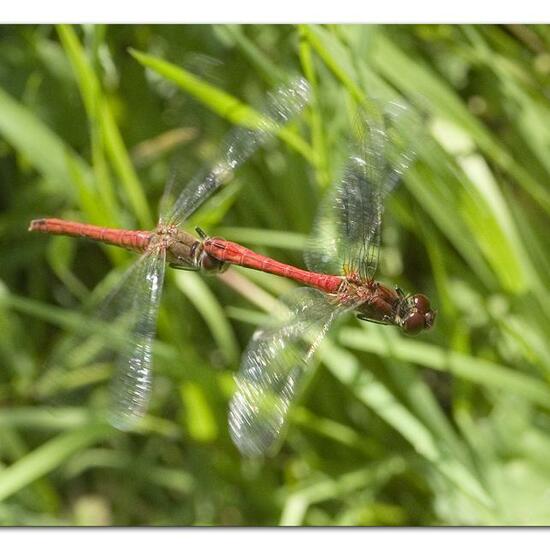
474, 369
194, 287
418, 81
48, 457
367, 389
40, 145
220, 102
99, 110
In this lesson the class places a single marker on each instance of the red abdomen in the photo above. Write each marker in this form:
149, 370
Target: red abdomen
233, 253
133, 240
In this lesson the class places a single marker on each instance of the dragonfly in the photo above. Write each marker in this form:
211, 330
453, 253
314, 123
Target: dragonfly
130, 311
342, 258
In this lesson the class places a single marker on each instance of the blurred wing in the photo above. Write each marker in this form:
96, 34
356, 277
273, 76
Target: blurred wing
118, 332
272, 369
282, 105
346, 235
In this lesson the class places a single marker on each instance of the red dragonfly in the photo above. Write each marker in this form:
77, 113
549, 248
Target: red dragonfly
342, 257
130, 312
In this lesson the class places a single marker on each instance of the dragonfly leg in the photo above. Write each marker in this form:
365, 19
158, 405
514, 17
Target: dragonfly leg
201, 233
183, 267
385, 321
400, 291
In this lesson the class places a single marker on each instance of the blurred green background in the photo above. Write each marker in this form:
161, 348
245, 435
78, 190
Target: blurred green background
451, 427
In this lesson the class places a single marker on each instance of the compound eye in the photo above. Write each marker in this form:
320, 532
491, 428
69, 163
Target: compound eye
421, 303
414, 323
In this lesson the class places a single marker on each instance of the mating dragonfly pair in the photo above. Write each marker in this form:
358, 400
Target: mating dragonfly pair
341, 256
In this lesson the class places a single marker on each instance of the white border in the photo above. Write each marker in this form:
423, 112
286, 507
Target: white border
271, 11
275, 539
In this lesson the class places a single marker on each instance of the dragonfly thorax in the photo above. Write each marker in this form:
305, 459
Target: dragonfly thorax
379, 303
185, 251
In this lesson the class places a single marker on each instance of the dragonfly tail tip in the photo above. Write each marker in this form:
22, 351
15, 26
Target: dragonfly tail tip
35, 225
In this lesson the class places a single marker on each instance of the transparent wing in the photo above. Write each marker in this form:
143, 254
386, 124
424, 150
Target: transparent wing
346, 234
112, 339
272, 369
131, 387
281, 105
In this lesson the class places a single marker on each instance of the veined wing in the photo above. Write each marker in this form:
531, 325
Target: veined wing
118, 333
346, 236
131, 387
282, 104
272, 369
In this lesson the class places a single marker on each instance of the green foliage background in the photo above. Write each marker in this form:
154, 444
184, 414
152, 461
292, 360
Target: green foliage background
452, 427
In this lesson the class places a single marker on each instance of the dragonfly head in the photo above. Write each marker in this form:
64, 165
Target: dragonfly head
418, 314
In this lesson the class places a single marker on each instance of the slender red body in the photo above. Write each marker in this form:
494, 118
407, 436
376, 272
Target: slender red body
373, 301
125, 238
233, 253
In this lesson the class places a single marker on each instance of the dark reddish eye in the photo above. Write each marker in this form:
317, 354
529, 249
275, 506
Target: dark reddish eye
414, 323
421, 303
